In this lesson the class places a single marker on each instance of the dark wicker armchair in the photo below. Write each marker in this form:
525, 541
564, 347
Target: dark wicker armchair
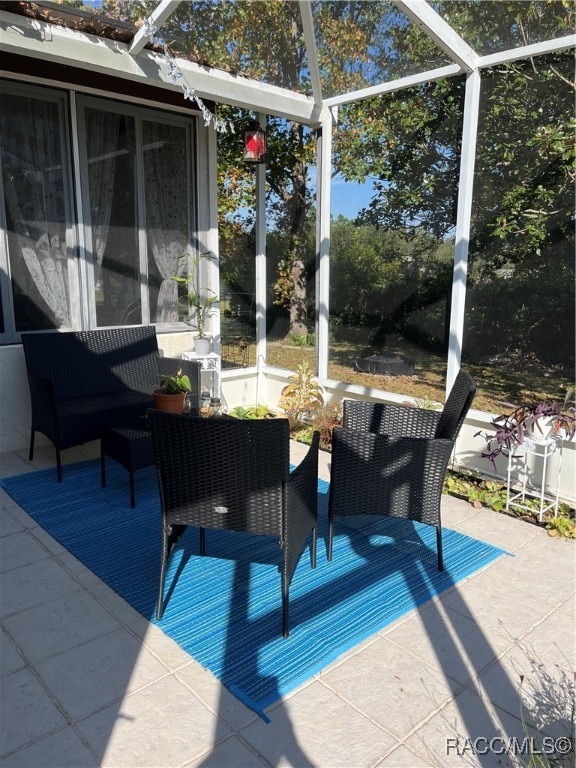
391, 459
232, 474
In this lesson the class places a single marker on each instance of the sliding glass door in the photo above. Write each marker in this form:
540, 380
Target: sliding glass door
139, 212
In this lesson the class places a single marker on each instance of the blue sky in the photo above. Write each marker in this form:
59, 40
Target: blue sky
349, 197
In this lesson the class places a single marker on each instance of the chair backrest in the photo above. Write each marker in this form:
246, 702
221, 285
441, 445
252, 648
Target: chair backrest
456, 407
222, 472
94, 362
386, 419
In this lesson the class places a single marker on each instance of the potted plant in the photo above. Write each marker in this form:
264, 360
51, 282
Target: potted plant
171, 394
302, 397
538, 422
199, 302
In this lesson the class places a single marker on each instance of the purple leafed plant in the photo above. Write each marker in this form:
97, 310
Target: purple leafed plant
511, 429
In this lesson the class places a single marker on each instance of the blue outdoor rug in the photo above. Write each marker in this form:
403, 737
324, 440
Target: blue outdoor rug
224, 609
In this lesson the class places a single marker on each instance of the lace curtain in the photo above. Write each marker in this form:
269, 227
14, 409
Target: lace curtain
166, 194
34, 191
102, 134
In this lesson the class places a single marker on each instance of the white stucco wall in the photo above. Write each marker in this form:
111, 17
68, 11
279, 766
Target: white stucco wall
14, 400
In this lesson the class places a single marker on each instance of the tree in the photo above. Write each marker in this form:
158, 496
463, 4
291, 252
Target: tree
407, 142
265, 39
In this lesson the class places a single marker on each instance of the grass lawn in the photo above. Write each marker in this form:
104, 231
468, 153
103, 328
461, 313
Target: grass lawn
500, 382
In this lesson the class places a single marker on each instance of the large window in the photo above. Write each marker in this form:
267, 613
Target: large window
37, 205
114, 263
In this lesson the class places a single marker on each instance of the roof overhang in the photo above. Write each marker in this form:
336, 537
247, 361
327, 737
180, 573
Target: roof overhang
47, 42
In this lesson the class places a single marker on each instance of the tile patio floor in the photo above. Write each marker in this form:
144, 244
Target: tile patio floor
86, 681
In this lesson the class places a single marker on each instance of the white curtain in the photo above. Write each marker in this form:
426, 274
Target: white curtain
34, 190
166, 191
102, 132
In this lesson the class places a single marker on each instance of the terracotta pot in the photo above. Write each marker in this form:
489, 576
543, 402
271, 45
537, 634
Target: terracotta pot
169, 403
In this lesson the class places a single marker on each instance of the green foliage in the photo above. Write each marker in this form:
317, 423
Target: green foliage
301, 340
408, 144
561, 526
492, 494
199, 301
251, 412
476, 491
302, 396
172, 385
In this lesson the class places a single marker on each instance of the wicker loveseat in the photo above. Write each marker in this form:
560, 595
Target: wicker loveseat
84, 382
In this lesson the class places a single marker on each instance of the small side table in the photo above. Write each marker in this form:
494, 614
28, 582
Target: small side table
518, 458
131, 447
209, 365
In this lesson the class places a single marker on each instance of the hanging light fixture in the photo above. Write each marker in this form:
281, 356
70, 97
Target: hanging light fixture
254, 143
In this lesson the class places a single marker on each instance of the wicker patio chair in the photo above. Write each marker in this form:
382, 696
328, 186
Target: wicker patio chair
391, 459
234, 475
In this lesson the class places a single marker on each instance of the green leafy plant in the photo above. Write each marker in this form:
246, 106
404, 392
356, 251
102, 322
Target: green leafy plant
251, 412
302, 396
561, 526
301, 340
172, 385
199, 301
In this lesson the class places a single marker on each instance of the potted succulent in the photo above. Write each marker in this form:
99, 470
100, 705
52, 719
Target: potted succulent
199, 304
171, 395
537, 422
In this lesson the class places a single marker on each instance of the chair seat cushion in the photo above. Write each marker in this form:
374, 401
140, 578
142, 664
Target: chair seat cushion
82, 419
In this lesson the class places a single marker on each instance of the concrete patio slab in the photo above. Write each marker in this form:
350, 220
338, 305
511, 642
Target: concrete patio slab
87, 681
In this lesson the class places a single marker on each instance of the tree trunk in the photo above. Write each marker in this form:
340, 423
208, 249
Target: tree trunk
298, 209
298, 312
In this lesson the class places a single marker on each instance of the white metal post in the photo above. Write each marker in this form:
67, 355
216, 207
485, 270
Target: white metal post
213, 263
323, 177
463, 219
261, 286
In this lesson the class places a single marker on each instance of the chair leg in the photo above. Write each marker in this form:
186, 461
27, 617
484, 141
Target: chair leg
31, 452
132, 494
439, 547
58, 465
160, 601
202, 541
285, 607
330, 535
313, 548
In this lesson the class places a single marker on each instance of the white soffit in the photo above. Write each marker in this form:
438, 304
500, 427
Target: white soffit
47, 42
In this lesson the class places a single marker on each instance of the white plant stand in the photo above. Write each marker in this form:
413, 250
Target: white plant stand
209, 369
518, 459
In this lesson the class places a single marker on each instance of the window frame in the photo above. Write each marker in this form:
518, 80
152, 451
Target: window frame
10, 335
71, 106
